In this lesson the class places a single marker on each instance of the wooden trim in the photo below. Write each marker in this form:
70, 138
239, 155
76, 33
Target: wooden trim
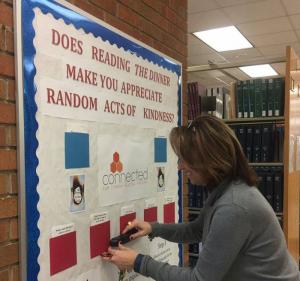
291, 174
232, 113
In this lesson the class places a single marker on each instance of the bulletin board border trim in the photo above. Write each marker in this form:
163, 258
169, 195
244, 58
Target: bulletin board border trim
27, 108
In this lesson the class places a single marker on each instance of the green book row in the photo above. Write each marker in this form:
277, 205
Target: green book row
260, 98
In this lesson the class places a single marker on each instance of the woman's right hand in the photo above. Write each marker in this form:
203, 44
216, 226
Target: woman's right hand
144, 228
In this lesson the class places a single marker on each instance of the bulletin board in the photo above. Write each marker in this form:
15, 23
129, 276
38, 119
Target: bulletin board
95, 110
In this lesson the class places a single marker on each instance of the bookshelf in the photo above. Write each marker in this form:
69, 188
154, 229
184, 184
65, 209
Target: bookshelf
290, 162
255, 120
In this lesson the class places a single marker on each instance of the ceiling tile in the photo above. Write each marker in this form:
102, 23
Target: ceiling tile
210, 78
278, 50
202, 78
203, 59
295, 20
225, 3
194, 76
207, 20
273, 50
265, 26
269, 39
236, 72
255, 11
241, 55
214, 73
193, 40
279, 68
292, 6
199, 49
227, 80
196, 6
296, 47
263, 22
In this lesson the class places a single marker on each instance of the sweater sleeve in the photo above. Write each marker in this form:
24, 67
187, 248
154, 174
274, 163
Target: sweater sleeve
229, 231
179, 232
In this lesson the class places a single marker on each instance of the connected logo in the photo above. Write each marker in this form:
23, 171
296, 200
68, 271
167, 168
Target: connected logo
116, 165
117, 177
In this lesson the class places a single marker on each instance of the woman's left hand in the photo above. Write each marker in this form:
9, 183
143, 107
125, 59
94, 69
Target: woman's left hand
122, 257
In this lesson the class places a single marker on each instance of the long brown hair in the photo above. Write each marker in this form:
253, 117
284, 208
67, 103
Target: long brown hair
211, 148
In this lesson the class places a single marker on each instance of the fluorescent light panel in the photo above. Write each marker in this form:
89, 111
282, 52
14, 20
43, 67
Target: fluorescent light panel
261, 70
224, 39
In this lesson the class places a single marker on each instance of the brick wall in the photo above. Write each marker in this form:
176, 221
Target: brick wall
162, 24
8, 164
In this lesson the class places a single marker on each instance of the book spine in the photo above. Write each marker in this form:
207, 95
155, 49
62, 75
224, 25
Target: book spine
278, 190
258, 97
278, 96
239, 99
246, 101
251, 98
271, 111
267, 137
249, 143
257, 144
264, 101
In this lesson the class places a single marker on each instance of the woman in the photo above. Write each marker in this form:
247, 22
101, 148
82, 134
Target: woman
241, 236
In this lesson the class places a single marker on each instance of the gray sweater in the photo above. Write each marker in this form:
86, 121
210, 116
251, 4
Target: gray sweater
242, 241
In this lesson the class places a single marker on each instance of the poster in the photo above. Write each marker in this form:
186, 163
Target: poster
97, 108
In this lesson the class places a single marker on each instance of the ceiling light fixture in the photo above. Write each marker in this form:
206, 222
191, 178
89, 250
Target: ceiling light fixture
261, 70
224, 39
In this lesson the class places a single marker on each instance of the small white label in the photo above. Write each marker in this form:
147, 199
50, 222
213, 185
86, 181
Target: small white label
169, 199
246, 114
270, 112
99, 218
251, 114
276, 112
240, 115
62, 229
127, 210
150, 203
263, 113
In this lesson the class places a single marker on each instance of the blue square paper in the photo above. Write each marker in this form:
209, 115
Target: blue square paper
160, 150
77, 150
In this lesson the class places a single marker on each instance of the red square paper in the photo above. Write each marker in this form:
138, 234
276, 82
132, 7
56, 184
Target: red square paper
99, 238
150, 214
125, 219
62, 252
169, 213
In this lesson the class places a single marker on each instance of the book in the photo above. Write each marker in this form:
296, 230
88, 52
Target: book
257, 138
246, 99
278, 190
258, 97
191, 195
193, 98
239, 99
278, 96
249, 142
269, 192
199, 196
241, 136
251, 98
270, 106
264, 97
267, 143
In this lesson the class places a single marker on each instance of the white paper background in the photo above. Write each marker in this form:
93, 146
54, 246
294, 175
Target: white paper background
132, 137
